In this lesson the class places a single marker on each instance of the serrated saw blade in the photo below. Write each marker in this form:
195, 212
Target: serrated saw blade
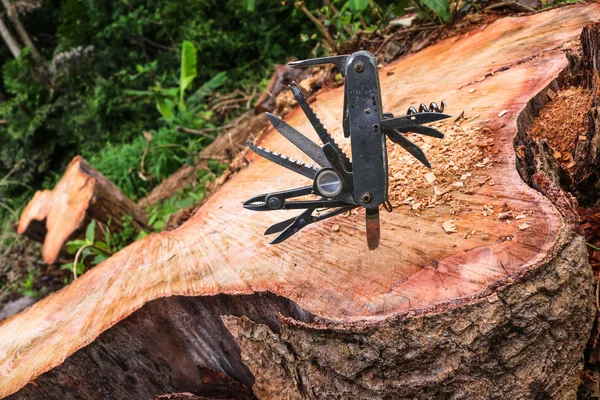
296, 166
316, 123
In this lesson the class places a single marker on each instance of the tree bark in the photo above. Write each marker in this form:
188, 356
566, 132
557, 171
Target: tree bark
23, 35
501, 308
10, 41
81, 195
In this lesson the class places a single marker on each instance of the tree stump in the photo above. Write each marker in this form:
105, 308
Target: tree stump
480, 288
54, 216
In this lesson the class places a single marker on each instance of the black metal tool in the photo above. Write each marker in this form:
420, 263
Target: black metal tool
339, 184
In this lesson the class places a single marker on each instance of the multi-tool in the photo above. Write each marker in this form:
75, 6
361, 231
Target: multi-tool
340, 184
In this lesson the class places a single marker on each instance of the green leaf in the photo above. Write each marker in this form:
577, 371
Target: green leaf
80, 268
144, 93
208, 87
101, 245
250, 5
74, 245
68, 266
188, 67
100, 257
398, 8
90, 232
358, 5
440, 7
165, 107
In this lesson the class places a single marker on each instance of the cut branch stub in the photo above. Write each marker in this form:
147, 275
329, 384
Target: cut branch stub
499, 306
81, 194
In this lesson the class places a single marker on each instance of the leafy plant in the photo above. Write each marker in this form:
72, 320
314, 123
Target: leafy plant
77, 102
27, 288
96, 251
158, 214
441, 8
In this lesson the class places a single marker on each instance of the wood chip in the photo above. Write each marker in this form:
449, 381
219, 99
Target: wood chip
486, 143
449, 226
472, 90
551, 93
487, 210
466, 176
520, 216
524, 226
335, 228
502, 113
430, 177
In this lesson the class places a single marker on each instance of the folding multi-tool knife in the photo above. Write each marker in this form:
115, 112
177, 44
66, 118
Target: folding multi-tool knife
341, 184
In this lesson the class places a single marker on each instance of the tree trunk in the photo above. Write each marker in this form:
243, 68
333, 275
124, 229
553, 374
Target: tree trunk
10, 41
82, 194
498, 304
23, 35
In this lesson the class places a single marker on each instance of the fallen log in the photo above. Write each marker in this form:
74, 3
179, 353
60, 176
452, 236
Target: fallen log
480, 288
55, 216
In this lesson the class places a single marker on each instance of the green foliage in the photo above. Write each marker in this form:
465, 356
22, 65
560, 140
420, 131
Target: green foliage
592, 246
27, 284
357, 5
93, 251
344, 19
159, 213
441, 8
98, 52
188, 68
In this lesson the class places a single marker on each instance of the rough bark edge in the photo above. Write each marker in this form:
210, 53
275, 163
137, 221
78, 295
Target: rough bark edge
451, 350
166, 346
525, 340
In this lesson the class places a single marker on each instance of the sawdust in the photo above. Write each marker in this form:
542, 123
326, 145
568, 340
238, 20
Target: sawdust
458, 164
563, 123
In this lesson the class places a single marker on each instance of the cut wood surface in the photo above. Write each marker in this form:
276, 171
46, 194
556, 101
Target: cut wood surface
480, 287
81, 194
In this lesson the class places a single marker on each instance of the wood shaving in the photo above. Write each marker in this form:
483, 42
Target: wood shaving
524, 226
563, 122
449, 226
458, 155
502, 113
521, 216
335, 228
487, 210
